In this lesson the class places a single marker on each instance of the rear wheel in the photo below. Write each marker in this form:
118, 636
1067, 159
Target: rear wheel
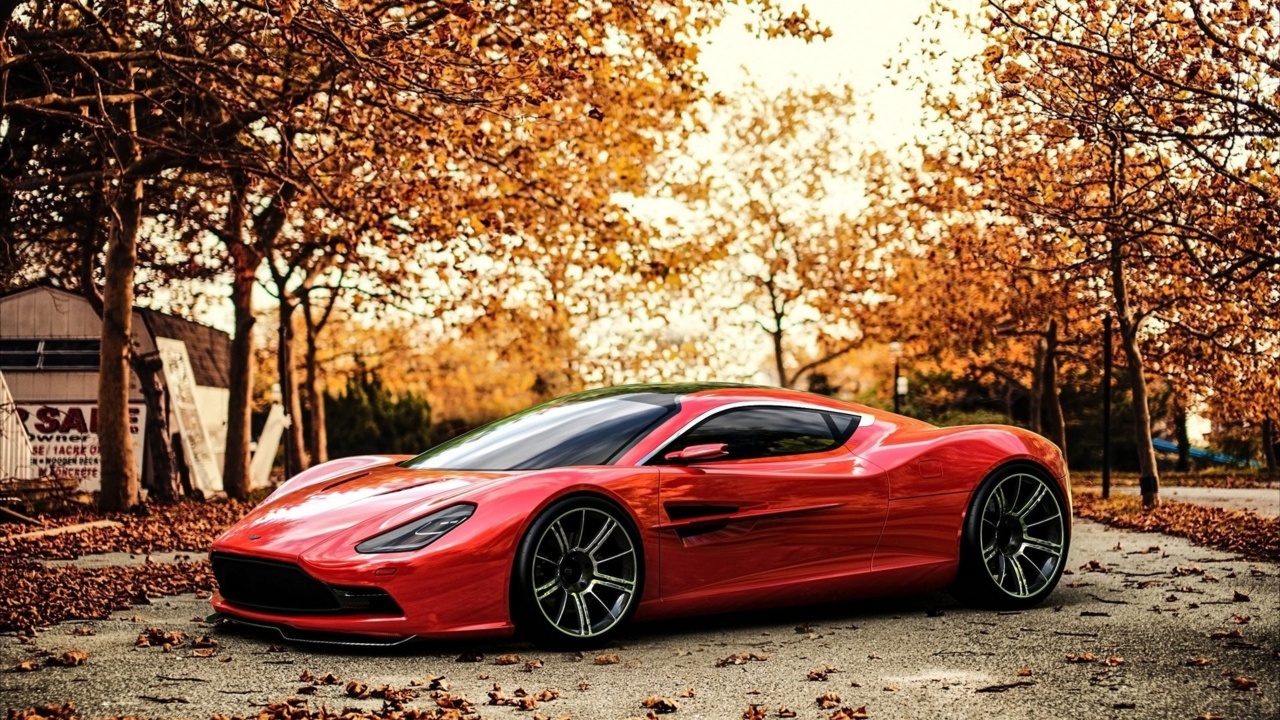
578, 573
1016, 539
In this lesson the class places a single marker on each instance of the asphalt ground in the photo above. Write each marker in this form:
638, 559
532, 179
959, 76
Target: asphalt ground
1147, 610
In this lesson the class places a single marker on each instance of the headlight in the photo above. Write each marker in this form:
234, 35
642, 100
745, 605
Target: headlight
419, 533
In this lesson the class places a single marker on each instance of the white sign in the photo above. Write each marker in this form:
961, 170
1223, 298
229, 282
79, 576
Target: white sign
197, 449
64, 436
264, 456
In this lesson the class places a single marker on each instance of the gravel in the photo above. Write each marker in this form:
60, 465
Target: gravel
918, 657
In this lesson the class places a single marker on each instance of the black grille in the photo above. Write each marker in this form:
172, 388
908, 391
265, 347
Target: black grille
283, 587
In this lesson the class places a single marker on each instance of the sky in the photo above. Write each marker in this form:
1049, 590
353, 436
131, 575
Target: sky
865, 35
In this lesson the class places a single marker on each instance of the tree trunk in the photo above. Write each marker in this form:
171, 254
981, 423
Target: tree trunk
317, 436
1149, 478
1057, 420
295, 457
779, 361
1184, 440
119, 489
1035, 413
115, 443
1270, 445
245, 259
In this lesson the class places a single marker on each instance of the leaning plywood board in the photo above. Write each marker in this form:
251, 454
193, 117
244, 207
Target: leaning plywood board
200, 454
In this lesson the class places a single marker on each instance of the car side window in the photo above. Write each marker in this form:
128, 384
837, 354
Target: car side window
760, 432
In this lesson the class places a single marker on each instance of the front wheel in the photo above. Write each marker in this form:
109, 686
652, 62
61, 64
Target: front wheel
578, 573
1016, 539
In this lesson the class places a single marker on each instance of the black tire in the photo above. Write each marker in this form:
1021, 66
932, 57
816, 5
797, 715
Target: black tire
1014, 550
578, 574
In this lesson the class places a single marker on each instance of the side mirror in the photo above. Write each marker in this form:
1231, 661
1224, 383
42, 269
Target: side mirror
708, 451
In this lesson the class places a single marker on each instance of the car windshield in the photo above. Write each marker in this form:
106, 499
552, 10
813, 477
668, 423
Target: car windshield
583, 429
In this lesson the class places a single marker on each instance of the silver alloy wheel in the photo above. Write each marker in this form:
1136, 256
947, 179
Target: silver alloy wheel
1022, 534
585, 572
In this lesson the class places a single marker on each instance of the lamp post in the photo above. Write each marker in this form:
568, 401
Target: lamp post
899, 382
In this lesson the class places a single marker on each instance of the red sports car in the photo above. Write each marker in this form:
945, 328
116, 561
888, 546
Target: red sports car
643, 502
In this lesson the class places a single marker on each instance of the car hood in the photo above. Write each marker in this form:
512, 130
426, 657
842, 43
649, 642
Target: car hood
294, 519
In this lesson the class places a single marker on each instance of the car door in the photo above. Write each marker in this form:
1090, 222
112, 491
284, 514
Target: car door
789, 504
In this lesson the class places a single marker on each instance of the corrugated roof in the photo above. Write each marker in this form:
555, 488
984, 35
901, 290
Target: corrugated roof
209, 348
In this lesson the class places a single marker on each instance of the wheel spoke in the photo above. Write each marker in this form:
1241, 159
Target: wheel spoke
988, 554
605, 531
562, 538
1036, 567
617, 583
1048, 546
544, 591
624, 553
602, 604
1001, 502
1017, 493
564, 605
582, 530
584, 616
1031, 504
1019, 576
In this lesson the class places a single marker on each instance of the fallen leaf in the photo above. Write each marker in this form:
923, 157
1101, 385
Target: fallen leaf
71, 658
1198, 661
506, 660
1241, 682
826, 701
608, 659
820, 674
660, 705
357, 690
1085, 657
740, 659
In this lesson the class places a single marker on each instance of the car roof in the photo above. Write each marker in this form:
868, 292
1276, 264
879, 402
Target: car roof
713, 392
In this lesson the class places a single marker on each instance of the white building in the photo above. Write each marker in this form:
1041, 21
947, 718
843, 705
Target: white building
49, 344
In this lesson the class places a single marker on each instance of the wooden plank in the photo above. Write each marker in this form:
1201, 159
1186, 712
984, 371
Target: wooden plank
78, 527
15, 516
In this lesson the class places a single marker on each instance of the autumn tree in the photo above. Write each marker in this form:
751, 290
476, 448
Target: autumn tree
1129, 141
776, 218
262, 95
